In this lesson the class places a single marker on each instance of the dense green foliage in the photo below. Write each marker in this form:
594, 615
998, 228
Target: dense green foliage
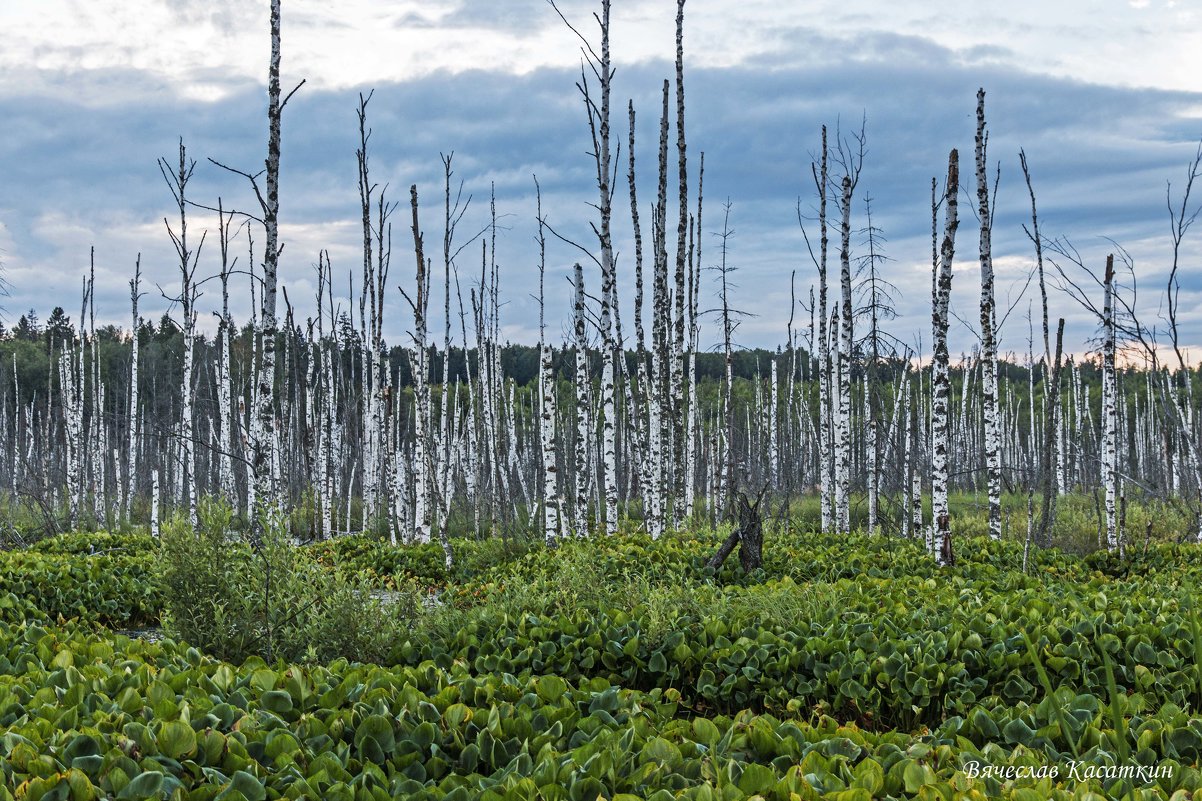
87, 716
113, 589
845, 669
235, 599
423, 565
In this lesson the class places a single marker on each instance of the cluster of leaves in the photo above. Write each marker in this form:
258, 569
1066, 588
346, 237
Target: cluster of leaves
1078, 529
125, 589
809, 556
115, 589
864, 627
92, 543
87, 717
896, 652
425, 565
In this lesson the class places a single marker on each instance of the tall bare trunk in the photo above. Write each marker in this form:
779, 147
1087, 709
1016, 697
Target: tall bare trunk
940, 385
679, 415
421, 390
989, 367
826, 470
846, 339
263, 437
582, 409
131, 456
1109, 409
177, 182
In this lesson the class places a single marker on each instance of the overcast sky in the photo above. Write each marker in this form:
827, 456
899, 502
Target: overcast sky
1103, 96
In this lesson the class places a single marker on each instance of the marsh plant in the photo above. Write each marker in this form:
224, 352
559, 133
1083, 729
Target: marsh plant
235, 596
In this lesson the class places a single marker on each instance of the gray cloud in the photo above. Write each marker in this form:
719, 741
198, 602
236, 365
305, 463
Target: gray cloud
77, 173
510, 17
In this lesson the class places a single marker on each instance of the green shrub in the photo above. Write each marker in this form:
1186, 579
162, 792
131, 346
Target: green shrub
234, 600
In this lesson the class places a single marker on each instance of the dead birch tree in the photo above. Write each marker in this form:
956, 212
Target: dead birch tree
177, 183
989, 366
679, 414
580, 496
939, 542
1181, 219
422, 457
662, 426
262, 441
264, 458
599, 130
1109, 407
851, 162
131, 456
547, 393
645, 410
225, 332
820, 173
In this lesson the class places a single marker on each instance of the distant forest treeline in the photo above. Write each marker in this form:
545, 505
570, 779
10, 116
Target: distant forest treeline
26, 349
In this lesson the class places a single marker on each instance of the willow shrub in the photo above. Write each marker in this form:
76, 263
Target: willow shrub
235, 600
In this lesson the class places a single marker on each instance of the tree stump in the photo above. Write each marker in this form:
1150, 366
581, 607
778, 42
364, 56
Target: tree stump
749, 535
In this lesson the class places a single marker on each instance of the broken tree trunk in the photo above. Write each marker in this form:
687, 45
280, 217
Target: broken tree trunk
749, 535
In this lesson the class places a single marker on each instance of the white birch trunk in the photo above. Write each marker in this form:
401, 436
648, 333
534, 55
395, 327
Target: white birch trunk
1109, 409
773, 435
131, 464
70, 383
826, 470
679, 418
421, 389
547, 382
187, 467
872, 469
846, 339
228, 423
154, 503
328, 492
263, 438
550, 496
989, 368
691, 431
941, 541
582, 410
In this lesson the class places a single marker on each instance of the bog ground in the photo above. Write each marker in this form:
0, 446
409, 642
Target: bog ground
847, 668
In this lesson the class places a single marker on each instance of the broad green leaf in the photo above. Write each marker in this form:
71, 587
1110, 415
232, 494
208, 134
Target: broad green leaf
177, 740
